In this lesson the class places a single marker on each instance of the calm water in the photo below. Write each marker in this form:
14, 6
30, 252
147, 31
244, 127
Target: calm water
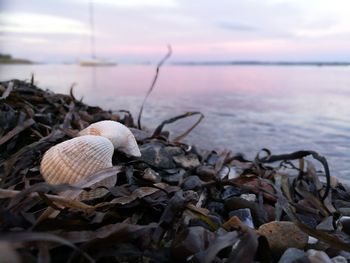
246, 108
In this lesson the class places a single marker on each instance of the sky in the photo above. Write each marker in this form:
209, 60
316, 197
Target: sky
198, 30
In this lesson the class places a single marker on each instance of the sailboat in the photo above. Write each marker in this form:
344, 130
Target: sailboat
94, 61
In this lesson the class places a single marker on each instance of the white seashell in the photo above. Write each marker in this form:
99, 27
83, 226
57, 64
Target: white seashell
120, 135
75, 159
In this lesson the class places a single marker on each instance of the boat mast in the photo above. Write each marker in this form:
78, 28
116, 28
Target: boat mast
92, 37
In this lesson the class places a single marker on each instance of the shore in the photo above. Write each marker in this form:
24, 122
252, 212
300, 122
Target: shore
175, 203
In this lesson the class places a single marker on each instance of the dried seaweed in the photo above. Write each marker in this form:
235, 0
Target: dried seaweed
154, 81
177, 203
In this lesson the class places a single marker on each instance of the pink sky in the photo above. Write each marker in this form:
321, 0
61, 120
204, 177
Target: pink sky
199, 30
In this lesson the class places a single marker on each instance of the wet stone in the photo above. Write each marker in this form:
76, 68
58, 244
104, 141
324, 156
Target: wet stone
244, 215
259, 215
248, 197
231, 191
174, 151
140, 135
215, 207
151, 175
326, 224
155, 154
317, 256
188, 161
212, 158
292, 255
206, 173
192, 183
344, 223
173, 176
283, 235
339, 259
308, 220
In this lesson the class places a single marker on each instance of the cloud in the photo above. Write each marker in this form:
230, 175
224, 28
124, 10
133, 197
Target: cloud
32, 23
237, 27
136, 3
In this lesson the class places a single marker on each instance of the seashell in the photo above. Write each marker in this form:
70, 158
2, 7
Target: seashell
75, 159
120, 136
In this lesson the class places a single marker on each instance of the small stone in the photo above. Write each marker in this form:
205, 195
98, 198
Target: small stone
231, 191
140, 135
188, 161
308, 220
326, 224
344, 224
216, 207
312, 240
244, 215
317, 256
173, 176
259, 215
283, 235
172, 150
154, 153
192, 183
249, 197
151, 175
291, 255
205, 172
339, 259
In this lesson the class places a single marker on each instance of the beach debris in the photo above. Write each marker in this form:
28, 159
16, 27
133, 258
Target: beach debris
282, 235
174, 203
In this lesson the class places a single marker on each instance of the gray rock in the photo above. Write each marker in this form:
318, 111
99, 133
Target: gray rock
282, 235
339, 259
317, 256
244, 215
155, 154
292, 255
192, 182
326, 224
173, 176
188, 161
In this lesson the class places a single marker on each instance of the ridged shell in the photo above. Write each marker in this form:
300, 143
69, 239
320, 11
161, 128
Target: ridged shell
120, 136
75, 159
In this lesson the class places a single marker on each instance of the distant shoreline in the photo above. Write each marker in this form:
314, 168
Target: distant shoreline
15, 61
259, 63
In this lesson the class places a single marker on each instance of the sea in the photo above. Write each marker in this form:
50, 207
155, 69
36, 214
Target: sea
283, 108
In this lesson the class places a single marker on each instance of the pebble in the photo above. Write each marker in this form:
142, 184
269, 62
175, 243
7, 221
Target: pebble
282, 235
244, 215
292, 255
206, 173
344, 224
231, 191
249, 197
326, 224
192, 182
188, 161
317, 256
155, 154
339, 259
